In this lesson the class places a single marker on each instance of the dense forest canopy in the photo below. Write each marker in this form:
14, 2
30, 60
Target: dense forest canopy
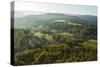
55, 38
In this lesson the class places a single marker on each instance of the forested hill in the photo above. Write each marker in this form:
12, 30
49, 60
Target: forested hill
55, 38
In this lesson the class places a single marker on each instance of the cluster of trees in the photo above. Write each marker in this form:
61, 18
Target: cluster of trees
56, 43
57, 53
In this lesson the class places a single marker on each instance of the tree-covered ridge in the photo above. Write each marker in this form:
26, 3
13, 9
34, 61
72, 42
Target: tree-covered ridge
55, 39
59, 53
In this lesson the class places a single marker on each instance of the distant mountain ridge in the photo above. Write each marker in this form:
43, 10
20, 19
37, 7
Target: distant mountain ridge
45, 19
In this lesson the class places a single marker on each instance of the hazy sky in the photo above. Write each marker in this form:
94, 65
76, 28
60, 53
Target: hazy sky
56, 8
